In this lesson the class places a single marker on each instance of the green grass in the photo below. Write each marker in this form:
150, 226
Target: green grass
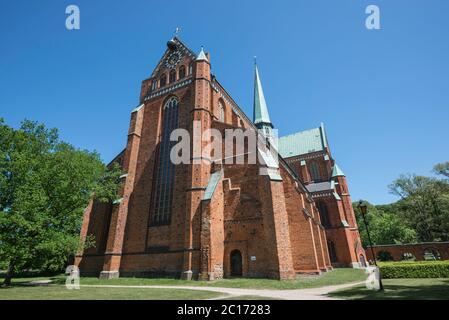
60, 292
337, 276
401, 289
21, 288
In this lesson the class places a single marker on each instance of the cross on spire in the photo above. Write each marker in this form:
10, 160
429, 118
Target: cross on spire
177, 31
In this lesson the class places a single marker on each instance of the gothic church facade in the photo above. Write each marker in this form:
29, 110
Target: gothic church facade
209, 219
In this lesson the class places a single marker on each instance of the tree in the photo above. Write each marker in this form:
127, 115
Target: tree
442, 169
45, 184
385, 226
424, 204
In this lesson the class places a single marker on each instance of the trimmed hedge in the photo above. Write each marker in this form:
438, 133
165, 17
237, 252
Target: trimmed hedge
415, 269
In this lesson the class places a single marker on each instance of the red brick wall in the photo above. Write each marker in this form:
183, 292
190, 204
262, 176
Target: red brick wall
417, 250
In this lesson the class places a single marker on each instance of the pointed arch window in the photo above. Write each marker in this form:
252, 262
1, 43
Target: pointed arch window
172, 76
153, 85
182, 72
314, 172
221, 112
332, 252
324, 214
165, 172
162, 81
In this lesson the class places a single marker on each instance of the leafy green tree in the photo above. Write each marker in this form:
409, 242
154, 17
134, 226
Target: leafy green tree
45, 184
442, 169
424, 204
385, 226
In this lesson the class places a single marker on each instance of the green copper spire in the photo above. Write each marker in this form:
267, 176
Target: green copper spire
261, 118
337, 172
202, 55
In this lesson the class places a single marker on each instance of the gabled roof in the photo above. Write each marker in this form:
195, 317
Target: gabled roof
181, 46
303, 142
260, 106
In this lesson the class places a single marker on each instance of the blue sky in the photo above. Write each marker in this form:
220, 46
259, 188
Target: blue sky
383, 95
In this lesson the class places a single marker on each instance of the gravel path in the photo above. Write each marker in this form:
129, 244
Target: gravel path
295, 294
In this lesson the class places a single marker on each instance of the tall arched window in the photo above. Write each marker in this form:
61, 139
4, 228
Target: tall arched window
324, 214
153, 85
165, 172
332, 252
172, 76
162, 81
221, 112
182, 72
314, 171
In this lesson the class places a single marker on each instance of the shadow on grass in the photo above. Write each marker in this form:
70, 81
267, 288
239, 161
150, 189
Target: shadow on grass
400, 289
31, 282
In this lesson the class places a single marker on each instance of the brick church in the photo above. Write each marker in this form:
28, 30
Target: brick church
210, 219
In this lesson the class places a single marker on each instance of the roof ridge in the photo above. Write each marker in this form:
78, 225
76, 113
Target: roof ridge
299, 132
184, 45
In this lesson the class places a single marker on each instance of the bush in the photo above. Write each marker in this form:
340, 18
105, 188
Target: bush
413, 269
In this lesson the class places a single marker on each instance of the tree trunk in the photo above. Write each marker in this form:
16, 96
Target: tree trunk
9, 274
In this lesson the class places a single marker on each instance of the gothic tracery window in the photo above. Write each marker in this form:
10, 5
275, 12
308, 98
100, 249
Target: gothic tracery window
165, 171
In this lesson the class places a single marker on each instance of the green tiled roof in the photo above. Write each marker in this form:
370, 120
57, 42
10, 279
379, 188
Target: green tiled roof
303, 142
337, 172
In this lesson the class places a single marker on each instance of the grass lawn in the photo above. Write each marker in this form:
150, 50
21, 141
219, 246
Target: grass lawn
402, 289
337, 276
60, 292
22, 289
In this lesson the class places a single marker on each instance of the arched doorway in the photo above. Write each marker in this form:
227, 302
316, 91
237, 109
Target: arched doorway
431, 254
236, 263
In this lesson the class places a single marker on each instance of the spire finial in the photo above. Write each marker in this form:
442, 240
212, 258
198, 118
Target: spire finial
177, 31
255, 60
